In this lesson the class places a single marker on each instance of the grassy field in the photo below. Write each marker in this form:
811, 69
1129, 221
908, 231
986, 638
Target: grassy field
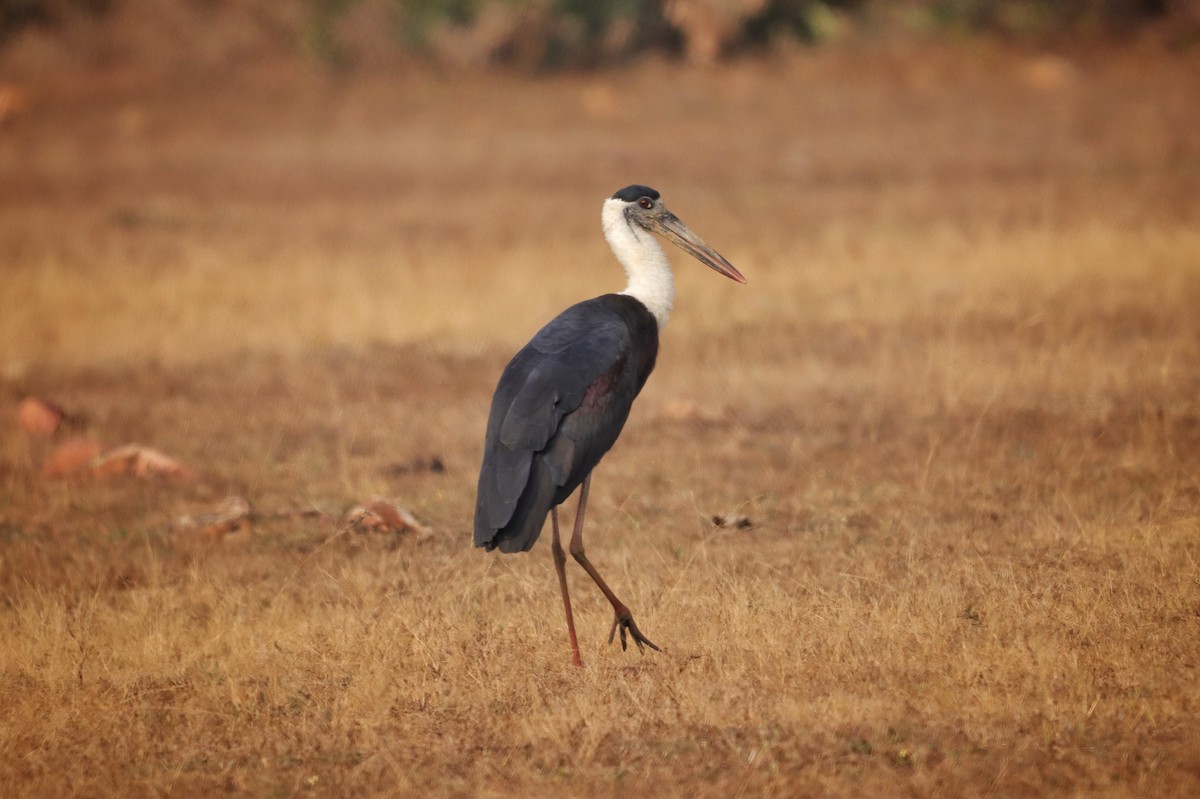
959, 399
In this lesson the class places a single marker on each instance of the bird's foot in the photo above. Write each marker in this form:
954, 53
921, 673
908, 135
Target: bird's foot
624, 621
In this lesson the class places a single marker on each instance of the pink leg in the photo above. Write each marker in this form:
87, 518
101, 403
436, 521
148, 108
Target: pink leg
623, 619
560, 561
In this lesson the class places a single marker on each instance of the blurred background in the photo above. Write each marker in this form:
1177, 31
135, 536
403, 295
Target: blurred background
530, 34
185, 178
912, 511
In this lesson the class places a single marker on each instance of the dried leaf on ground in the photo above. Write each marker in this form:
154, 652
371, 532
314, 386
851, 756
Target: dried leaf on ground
233, 514
137, 461
379, 515
732, 521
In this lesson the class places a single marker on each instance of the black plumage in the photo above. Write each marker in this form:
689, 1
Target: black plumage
632, 194
559, 406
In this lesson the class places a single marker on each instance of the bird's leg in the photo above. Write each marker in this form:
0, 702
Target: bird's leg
623, 618
560, 565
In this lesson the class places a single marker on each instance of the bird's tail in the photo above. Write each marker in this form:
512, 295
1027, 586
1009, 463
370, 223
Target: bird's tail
528, 518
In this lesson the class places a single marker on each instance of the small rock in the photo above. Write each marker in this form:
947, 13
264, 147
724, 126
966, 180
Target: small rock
40, 417
73, 456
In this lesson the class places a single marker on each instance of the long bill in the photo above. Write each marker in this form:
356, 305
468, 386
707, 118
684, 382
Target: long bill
681, 235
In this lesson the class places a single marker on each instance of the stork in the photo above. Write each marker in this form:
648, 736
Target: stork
563, 399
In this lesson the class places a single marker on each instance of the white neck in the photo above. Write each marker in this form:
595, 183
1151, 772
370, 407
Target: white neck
646, 266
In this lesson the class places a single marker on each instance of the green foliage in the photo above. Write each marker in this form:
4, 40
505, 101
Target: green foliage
597, 17
317, 37
810, 21
1029, 17
16, 15
420, 16
572, 32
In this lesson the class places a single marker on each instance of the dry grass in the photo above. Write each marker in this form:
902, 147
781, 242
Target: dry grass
958, 399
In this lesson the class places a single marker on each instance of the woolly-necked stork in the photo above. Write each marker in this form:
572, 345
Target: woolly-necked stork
563, 399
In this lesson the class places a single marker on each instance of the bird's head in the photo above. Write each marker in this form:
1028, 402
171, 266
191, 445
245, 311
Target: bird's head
642, 209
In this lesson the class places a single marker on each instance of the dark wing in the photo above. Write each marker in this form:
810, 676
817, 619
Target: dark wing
560, 405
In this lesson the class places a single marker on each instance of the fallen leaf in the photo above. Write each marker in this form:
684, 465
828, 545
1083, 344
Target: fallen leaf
379, 515
733, 521
231, 515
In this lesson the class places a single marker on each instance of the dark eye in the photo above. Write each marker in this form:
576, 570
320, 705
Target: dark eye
646, 202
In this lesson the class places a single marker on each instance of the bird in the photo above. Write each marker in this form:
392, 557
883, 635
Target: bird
562, 401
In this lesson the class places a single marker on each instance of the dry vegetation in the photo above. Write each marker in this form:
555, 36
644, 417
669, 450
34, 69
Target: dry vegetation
959, 399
